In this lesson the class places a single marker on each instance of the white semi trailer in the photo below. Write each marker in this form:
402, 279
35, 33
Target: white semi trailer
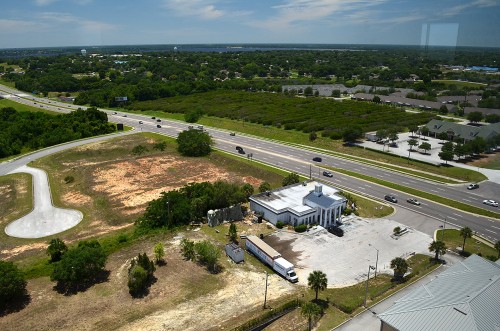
271, 257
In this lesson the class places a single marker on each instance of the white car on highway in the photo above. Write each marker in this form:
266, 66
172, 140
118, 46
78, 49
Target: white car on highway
492, 203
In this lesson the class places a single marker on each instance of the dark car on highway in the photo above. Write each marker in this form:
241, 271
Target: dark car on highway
391, 198
158, 126
327, 174
317, 159
241, 151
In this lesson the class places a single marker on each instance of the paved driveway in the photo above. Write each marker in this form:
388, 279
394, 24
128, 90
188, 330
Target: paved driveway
345, 260
45, 219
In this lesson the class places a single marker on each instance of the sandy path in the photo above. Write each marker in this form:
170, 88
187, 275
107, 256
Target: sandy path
245, 290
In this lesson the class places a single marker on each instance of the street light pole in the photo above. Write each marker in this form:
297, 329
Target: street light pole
366, 289
376, 262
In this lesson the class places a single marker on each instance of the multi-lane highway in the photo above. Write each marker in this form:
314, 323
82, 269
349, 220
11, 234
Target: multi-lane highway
300, 160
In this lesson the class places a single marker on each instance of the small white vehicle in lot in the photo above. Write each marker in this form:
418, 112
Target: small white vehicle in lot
492, 203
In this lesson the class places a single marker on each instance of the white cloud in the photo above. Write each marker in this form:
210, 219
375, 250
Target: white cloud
66, 18
9, 26
201, 8
456, 10
44, 2
292, 12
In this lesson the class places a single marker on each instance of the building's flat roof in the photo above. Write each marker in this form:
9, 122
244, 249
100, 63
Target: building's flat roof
291, 197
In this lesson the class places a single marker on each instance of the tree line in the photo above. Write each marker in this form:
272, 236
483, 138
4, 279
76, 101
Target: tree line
26, 131
191, 203
164, 74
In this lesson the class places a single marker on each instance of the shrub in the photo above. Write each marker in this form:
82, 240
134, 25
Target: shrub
140, 274
137, 280
12, 283
122, 238
69, 179
347, 211
280, 224
56, 249
301, 228
80, 265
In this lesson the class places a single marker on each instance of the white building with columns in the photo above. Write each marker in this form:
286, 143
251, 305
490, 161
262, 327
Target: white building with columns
303, 203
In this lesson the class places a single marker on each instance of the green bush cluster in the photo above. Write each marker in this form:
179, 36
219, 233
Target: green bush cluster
280, 224
140, 274
301, 228
12, 283
190, 203
204, 252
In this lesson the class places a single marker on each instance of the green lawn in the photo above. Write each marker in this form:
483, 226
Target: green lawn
454, 241
459, 83
4, 103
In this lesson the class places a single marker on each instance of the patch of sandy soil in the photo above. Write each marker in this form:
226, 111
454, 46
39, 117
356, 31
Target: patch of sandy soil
136, 182
173, 302
76, 198
13, 252
243, 290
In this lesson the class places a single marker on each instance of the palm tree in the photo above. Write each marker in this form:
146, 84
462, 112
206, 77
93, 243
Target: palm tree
497, 247
310, 310
438, 247
465, 233
317, 281
400, 266
56, 249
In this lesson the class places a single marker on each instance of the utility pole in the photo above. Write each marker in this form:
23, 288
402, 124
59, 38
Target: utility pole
265, 295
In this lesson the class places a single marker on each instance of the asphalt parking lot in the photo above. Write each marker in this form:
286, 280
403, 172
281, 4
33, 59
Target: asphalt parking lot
345, 260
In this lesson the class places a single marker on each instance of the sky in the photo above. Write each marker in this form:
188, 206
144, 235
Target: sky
48, 23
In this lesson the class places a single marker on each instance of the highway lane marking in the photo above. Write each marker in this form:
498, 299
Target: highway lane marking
434, 191
465, 199
453, 218
489, 231
495, 227
457, 214
406, 183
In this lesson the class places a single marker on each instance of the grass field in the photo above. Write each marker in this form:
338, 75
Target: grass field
454, 241
460, 83
4, 103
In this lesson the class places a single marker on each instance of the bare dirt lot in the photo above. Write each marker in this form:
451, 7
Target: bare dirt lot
185, 296
112, 187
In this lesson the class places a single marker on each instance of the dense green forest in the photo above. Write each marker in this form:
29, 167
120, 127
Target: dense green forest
290, 112
26, 131
150, 76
